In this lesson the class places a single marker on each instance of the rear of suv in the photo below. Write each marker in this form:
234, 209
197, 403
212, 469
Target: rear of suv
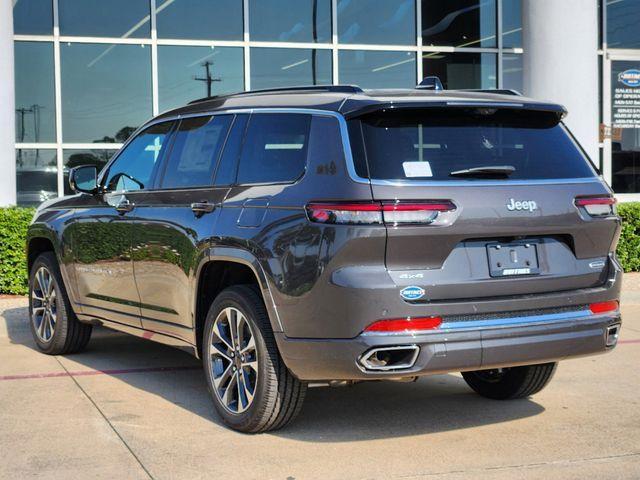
325, 235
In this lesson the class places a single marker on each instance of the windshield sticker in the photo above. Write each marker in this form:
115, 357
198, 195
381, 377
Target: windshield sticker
417, 169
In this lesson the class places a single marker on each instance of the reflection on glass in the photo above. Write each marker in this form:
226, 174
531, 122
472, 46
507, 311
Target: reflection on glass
623, 18
36, 176
286, 21
512, 23
77, 158
375, 69
461, 70
512, 72
391, 22
32, 17
188, 73
106, 91
460, 23
35, 104
100, 18
199, 19
278, 67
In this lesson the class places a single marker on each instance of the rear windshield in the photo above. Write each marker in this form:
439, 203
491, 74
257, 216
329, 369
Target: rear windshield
442, 145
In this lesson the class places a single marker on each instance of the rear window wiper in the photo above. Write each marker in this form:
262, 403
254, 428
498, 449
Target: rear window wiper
486, 171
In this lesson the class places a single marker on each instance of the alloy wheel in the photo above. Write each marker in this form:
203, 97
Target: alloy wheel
44, 305
233, 360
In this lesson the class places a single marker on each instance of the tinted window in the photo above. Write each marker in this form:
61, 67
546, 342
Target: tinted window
512, 71
135, 166
226, 172
391, 22
286, 21
33, 17
199, 19
195, 151
622, 24
35, 104
100, 18
374, 69
430, 145
460, 23
512, 23
275, 148
36, 176
277, 67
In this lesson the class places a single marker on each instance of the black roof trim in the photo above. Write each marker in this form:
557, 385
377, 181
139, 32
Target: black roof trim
303, 88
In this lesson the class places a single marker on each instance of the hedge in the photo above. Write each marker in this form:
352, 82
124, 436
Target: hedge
13, 264
14, 223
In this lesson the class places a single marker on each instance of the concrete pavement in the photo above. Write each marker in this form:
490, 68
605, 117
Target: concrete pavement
129, 408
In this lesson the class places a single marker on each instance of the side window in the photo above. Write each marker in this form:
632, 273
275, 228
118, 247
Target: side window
275, 148
226, 173
195, 151
135, 166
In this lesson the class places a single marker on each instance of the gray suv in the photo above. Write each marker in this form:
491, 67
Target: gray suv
330, 235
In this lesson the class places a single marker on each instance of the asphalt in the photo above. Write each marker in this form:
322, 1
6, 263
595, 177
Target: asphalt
129, 408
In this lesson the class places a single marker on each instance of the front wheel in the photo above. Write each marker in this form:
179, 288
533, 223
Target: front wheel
510, 383
252, 389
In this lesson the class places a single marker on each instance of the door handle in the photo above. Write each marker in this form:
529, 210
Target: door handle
125, 206
200, 208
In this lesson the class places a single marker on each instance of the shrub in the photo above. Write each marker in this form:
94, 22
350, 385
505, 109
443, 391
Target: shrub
13, 264
629, 245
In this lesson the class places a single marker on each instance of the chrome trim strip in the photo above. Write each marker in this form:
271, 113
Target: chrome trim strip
514, 321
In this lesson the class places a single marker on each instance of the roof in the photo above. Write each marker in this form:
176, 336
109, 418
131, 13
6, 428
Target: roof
353, 101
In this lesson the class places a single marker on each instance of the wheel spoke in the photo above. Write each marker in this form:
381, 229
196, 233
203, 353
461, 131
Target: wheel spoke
245, 383
243, 403
226, 398
252, 364
250, 346
232, 317
224, 376
49, 284
220, 351
218, 333
42, 326
37, 310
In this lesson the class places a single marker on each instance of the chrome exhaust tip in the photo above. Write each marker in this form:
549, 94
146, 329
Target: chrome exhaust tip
612, 335
400, 357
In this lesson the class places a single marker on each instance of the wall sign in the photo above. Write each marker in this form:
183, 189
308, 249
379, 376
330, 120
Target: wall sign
626, 99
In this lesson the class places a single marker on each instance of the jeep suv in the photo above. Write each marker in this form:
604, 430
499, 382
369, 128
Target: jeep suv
328, 235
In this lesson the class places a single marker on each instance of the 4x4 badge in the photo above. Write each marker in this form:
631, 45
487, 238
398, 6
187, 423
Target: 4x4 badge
412, 293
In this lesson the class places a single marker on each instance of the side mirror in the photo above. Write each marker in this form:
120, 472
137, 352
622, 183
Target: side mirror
84, 179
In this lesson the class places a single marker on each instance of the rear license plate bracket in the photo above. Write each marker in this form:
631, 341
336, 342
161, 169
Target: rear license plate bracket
513, 259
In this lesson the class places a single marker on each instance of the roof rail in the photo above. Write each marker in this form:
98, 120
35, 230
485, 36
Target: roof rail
500, 91
303, 88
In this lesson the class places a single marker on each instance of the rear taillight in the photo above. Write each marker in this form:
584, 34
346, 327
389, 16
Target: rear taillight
399, 325
604, 307
390, 213
597, 206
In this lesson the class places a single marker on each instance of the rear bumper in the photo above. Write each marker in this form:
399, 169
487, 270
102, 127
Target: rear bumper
465, 346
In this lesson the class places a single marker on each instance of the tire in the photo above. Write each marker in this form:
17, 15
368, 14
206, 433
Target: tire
55, 327
510, 383
260, 394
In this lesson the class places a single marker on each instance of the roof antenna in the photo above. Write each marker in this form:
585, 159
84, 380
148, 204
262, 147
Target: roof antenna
430, 83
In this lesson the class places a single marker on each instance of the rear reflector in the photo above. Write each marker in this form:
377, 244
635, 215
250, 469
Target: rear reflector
372, 213
604, 307
405, 325
596, 206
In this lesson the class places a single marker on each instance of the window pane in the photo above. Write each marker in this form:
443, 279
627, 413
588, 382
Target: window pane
183, 73
512, 23
77, 158
199, 19
461, 23
623, 18
36, 176
35, 97
195, 152
135, 167
106, 91
286, 21
226, 172
512, 71
278, 67
275, 148
34, 17
373, 69
461, 70
391, 22
100, 18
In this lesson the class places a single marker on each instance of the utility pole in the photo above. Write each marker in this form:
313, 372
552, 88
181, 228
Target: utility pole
209, 79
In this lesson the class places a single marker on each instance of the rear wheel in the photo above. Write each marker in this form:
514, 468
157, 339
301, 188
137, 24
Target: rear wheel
54, 326
252, 389
510, 383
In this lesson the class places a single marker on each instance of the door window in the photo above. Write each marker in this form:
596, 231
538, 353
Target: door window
275, 148
135, 167
195, 151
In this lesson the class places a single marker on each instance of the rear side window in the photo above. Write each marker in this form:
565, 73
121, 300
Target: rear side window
195, 151
275, 148
439, 144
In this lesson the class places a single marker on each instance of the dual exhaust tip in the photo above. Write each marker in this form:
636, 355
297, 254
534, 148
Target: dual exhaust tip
383, 359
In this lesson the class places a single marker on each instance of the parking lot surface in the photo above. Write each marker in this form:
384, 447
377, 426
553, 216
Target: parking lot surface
129, 408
